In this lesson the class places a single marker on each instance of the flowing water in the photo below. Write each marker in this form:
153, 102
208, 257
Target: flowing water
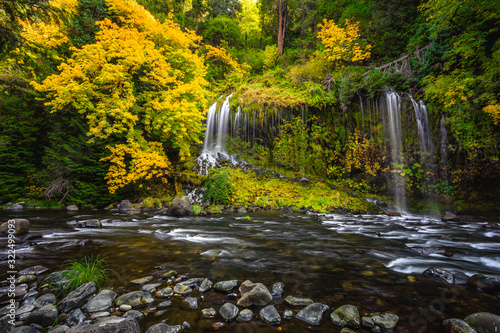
335, 259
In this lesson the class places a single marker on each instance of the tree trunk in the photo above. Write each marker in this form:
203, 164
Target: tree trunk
281, 26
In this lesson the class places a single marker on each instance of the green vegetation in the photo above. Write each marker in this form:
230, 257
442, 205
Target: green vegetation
218, 187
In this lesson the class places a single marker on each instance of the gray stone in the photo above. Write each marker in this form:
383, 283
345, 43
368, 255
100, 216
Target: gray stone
193, 302
185, 324
460, 278
182, 290
150, 288
298, 302
484, 284
25, 309
165, 292
94, 223
288, 314
34, 270
245, 315
277, 289
21, 227
208, 313
226, 286
192, 283
59, 279
169, 274
72, 208
229, 311
4, 323
133, 315
484, 322
135, 299
24, 329
367, 322
141, 280
26, 279
205, 285
44, 316
100, 302
112, 325
242, 210
455, 325
164, 328
270, 315
165, 303
449, 216
16, 207
346, 315
439, 274
59, 329
77, 297
346, 330
257, 295
125, 307
125, 205
44, 300
180, 207
312, 313
75, 318
386, 320
101, 314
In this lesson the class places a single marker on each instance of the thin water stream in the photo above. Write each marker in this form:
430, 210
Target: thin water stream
335, 259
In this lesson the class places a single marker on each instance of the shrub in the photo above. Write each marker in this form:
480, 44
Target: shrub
217, 187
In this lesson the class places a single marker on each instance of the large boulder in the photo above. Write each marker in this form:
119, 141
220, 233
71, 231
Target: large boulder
125, 205
16, 206
484, 322
180, 207
77, 297
450, 217
257, 294
484, 284
21, 226
457, 326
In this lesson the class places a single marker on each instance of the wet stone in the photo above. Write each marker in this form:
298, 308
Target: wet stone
226, 286
367, 322
125, 307
100, 302
77, 297
164, 328
165, 303
133, 315
149, 288
218, 325
182, 290
313, 313
245, 315
288, 314
75, 318
143, 280
277, 289
346, 315
484, 322
270, 315
455, 325
386, 320
439, 275
229, 311
165, 292
35, 270
298, 302
256, 294
25, 309
44, 300
26, 279
169, 274
205, 285
193, 302
208, 313
45, 316
100, 315
193, 283
58, 329
135, 299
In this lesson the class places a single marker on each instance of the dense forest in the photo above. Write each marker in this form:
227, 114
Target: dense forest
106, 99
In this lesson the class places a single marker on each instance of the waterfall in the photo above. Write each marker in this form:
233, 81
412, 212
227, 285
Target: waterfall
393, 103
218, 125
423, 128
444, 157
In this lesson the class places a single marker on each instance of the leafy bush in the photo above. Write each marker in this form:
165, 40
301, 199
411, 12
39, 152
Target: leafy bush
217, 187
151, 203
271, 56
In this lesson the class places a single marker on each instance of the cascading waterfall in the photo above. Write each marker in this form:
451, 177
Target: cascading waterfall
393, 101
442, 144
217, 125
423, 128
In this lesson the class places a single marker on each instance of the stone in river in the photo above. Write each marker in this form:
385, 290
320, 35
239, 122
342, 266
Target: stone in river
75, 318
312, 313
125, 205
112, 324
34, 270
208, 313
100, 302
89, 224
386, 320
484, 322
135, 299
141, 280
346, 315
44, 300
133, 315
193, 302
21, 227
277, 289
182, 290
288, 314
439, 274
205, 285
229, 311
165, 293
484, 284
245, 315
45, 316
180, 207
193, 283
149, 288
77, 297
270, 315
255, 294
298, 302
226, 286
455, 325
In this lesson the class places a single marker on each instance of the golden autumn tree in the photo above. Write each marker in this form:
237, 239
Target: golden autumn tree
140, 86
343, 44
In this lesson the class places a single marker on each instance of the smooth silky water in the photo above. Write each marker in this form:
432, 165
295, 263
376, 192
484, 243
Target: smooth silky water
333, 259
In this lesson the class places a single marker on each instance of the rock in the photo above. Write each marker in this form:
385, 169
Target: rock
26, 308
450, 217
218, 325
346, 315
182, 290
58, 279
367, 322
24, 329
439, 275
298, 302
312, 313
165, 293
125, 307
58, 329
180, 207
150, 288
135, 299
242, 210
141, 280
22, 226
425, 251
277, 289
16, 207
100, 302
112, 325
45, 316
484, 284
393, 213
72, 208
89, 224
133, 315
346, 330
270, 315
77, 297
44, 300
484, 322
75, 318
257, 295
193, 302
125, 205
26, 279
245, 315
226, 286
460, 278
164, 328
100, 314
288, 314
457, 326
192, 283
386, 320
34, 270
205, 285
169, 274
208, 313
228, 311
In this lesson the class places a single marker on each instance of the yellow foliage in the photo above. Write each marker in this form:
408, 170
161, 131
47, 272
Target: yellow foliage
363, 155
494, 111
221, 55
343, 43
140, 84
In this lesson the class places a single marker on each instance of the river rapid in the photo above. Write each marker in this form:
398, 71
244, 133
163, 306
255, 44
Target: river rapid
374, 262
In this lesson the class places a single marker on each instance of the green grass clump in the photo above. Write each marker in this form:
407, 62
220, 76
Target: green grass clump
151, 203
83, 271
197, 209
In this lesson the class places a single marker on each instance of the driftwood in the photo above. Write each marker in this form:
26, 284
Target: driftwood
59, 186
402, 64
